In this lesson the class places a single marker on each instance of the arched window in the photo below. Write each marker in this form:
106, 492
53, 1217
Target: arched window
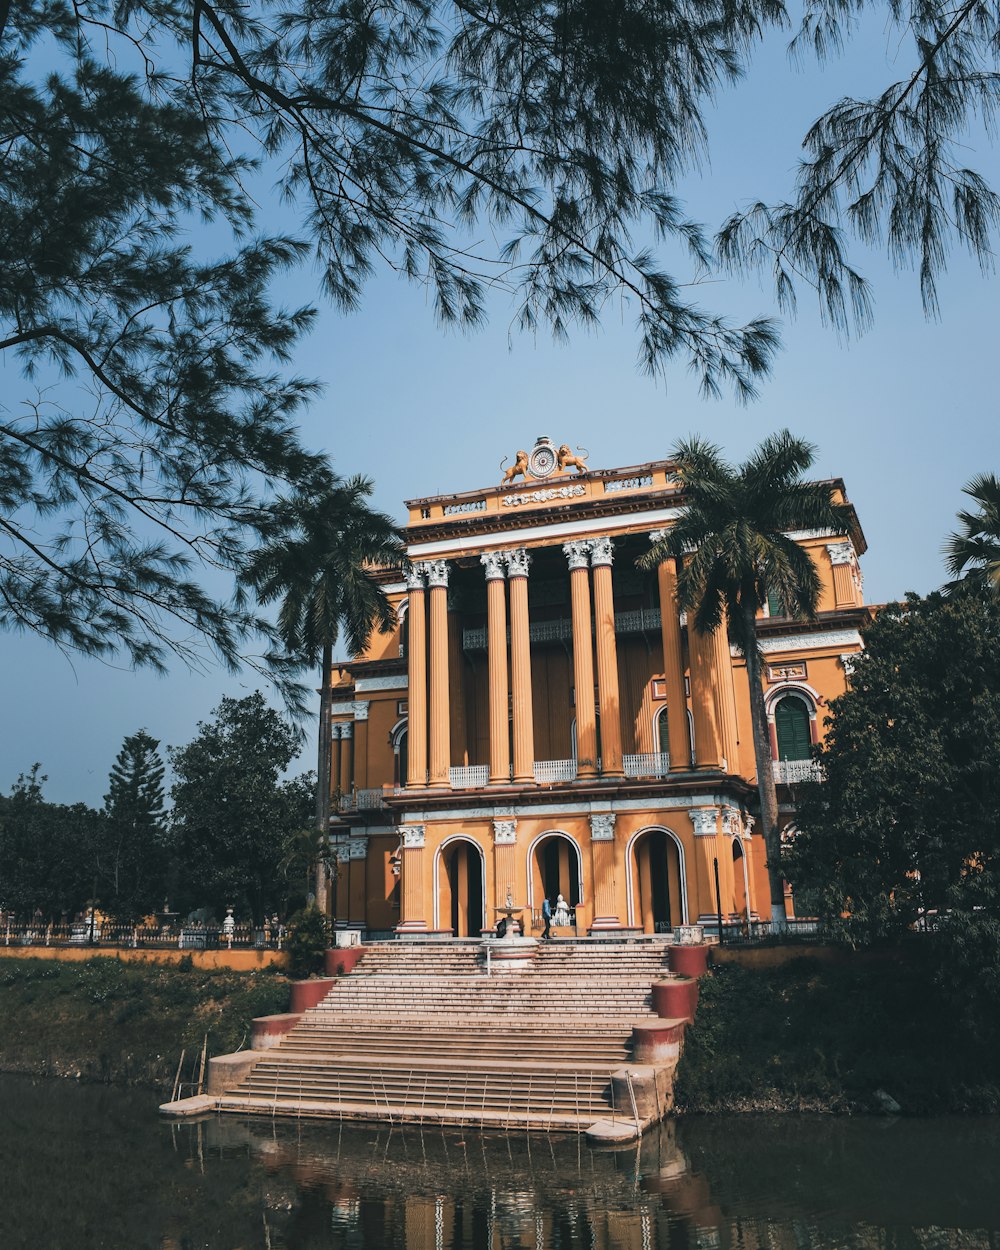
791, 723
662, 737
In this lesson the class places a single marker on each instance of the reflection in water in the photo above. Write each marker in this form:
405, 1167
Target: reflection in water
89, 1168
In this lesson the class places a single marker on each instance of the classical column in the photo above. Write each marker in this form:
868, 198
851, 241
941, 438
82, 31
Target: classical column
504, 863
602, 844
601, 556
335, 749
417, 685
846, 574
673, 664
707, 748
440, 709
725, 695
411, 916
517, 562
577, 554
496, 643
361, 744
346, 742
357, 850
705, 821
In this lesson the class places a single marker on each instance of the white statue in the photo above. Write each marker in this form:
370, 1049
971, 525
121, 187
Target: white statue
561, 916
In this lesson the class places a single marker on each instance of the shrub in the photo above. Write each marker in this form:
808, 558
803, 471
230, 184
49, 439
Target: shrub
308, 942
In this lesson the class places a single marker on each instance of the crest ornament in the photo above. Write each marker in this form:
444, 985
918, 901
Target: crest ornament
543, 458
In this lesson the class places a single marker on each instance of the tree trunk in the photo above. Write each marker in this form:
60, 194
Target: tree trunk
765, 772
323, 771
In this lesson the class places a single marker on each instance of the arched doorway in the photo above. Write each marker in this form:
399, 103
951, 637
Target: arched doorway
460, 888
555, 870
791, 724
657, 882
740, 880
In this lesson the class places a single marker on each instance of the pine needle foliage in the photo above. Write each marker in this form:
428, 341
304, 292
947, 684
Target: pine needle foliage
732, 546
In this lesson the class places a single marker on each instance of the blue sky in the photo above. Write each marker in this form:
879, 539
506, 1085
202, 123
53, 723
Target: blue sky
906, 415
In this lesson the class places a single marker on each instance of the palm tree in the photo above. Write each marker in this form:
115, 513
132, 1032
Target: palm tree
322, 563
732, 547
973, 557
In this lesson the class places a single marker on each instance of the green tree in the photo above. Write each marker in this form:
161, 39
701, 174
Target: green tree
133, 856
325, 563
907, 818
232, 814
972, 557
732, 547
48, 851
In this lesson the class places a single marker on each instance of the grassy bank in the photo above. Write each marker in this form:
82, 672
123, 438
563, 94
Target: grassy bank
820, 1037
106, 1020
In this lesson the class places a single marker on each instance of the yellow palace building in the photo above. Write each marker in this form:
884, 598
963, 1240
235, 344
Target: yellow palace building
543, 722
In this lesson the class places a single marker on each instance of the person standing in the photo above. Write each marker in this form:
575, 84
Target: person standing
547, 917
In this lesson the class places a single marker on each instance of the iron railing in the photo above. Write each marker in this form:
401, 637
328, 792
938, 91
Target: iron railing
105, 933
653, 764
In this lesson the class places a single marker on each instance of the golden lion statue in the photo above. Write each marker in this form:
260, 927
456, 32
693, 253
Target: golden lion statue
518, 469
568, 461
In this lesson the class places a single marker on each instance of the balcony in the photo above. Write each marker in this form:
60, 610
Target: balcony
654, 764
788, 772
470, 778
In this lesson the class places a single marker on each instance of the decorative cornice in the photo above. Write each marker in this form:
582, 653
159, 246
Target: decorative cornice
601, 551
437, 572
494, 565
413, 837
705, 821
504, 832
518, 562
577, 554
602, 827
361, 709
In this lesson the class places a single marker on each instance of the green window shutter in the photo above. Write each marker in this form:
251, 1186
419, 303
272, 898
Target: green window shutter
791, 720
774, 605
663, 733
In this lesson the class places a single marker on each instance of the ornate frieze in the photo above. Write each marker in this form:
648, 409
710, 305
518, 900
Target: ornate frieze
602, 826
493, 562
577, 554
705, 821
412, 837
543, 496
518, 561
504, 832
437, 572
601, 551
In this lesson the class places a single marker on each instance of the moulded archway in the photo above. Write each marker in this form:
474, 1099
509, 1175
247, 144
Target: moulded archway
656, 880
741, 880
555, 866
460, 887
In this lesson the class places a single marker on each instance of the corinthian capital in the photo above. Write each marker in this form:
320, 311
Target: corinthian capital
841, 553
517, 561
601, 552
494, 565
415, 577
577, 554
437, 572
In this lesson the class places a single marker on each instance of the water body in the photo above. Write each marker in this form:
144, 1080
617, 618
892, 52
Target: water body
88, 1168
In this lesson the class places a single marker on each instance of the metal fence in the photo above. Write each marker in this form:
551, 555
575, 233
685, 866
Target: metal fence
150, 937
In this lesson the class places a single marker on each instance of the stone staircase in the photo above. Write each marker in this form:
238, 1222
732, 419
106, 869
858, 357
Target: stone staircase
419, 1032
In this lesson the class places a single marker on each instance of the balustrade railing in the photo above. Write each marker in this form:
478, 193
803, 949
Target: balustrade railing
547, 771
788, 772
370, 799
653, 764
643, 620
105, 933
470, 777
